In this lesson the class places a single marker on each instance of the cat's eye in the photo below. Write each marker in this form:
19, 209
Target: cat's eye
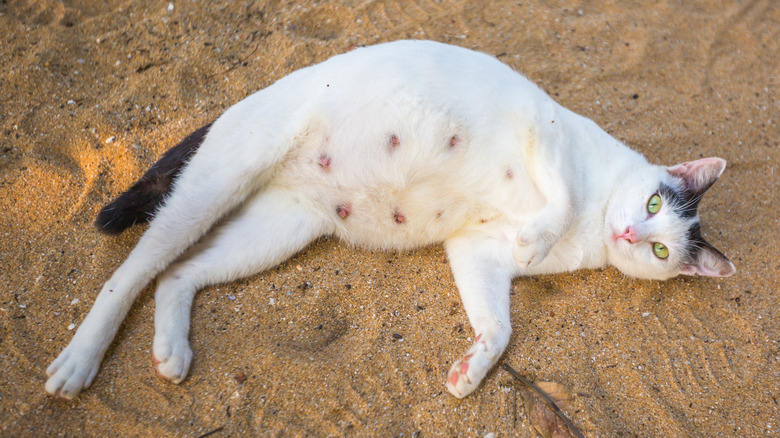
660, 250
654, 204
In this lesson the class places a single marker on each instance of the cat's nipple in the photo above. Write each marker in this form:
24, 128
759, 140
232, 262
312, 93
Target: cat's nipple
324, 162
394, 142
399, 218
343, 211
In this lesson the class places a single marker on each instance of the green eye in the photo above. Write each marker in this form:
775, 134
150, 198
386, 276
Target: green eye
654, 204
660, 250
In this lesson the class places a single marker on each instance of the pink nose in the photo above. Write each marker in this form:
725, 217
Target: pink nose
629, 235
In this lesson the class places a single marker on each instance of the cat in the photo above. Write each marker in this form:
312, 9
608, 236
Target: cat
395, 146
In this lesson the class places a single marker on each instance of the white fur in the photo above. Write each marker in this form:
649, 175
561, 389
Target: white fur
422, 143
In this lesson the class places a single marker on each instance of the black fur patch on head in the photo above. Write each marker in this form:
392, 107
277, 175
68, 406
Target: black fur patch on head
693, 243
138, 204
682, 201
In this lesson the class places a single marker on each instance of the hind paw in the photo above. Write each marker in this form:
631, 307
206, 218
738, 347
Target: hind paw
72, 371
172, 359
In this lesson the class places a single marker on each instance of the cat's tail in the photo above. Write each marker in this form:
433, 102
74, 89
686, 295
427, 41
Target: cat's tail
139, 203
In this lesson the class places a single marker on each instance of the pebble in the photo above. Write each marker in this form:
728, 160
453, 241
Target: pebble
110, 139
71, 327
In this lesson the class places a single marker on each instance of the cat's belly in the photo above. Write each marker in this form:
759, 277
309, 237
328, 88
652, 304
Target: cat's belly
401, 169
403, 188
400, 218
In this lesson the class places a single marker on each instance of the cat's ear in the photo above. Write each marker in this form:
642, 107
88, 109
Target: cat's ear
709, 262
699, 175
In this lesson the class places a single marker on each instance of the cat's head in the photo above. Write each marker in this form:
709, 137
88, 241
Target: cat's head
652, 229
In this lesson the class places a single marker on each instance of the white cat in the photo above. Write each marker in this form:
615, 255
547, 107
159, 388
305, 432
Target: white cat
395, 146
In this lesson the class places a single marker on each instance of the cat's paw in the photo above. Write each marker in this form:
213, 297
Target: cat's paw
466, 373
532, 247
73, 370
172, 358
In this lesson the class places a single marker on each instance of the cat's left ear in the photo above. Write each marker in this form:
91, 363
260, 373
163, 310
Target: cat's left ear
699, 175
709, 262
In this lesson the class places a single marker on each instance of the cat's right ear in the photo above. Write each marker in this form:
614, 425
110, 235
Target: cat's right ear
709, 262
699, 175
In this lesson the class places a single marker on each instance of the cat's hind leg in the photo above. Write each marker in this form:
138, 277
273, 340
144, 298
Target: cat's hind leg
236, 158
267, 231
483, 269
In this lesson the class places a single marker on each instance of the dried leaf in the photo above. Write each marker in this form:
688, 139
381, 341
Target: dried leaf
542, 402
541, 415
557, 392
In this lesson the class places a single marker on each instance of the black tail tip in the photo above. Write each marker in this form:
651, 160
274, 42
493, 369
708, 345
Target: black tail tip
135, 206
116, 217
144, 198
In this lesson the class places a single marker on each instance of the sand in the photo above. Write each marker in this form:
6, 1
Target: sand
342, 341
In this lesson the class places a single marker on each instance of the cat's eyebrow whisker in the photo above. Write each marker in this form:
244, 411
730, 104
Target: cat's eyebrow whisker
692, 201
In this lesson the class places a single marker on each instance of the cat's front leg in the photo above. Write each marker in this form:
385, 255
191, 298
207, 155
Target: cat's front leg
483, 269
536, 237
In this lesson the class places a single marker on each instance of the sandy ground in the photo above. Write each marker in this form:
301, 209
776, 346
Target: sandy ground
93, 92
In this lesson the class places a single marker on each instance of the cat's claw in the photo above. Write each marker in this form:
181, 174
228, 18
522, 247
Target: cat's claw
466, 373
71, 372
531, 249
172, 359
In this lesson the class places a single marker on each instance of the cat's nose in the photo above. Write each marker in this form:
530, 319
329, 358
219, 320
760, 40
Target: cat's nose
630, 235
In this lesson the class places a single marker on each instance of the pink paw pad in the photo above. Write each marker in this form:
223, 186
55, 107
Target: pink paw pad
156, 369
454, 378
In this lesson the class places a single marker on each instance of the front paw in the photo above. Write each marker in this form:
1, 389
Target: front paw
466, 373
532, 247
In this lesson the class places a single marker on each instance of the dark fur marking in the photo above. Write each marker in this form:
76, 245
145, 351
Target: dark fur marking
695, 244
682, 201
139, 203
